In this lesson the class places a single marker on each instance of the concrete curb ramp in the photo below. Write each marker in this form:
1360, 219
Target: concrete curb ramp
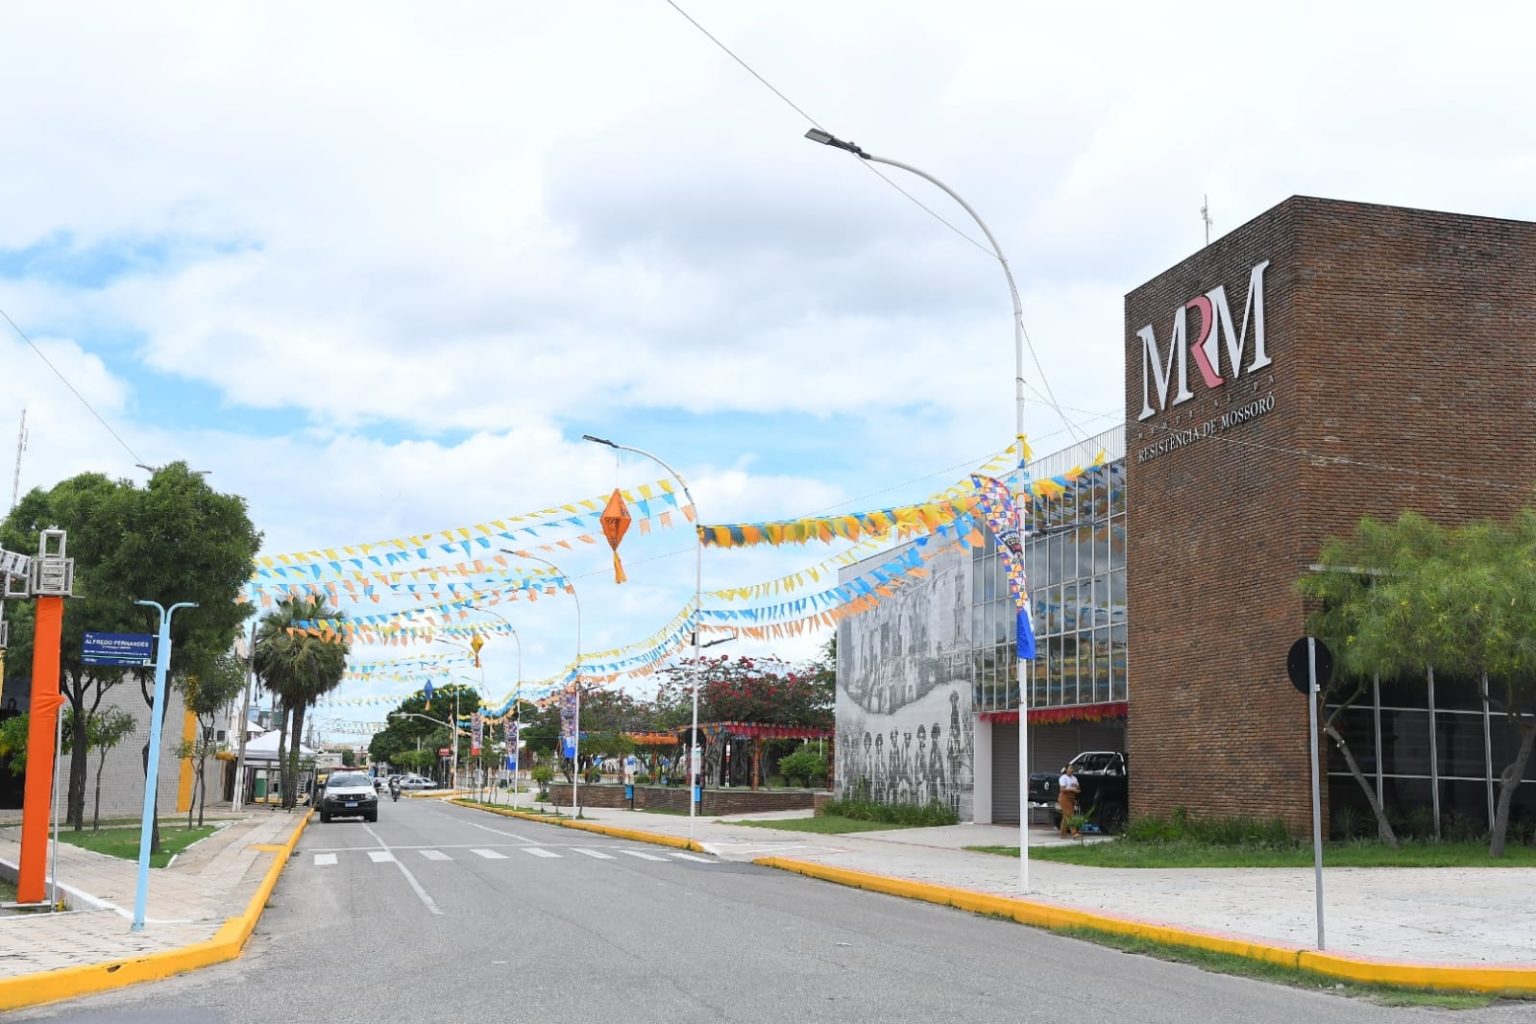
656, 838
1510, 980
226, 944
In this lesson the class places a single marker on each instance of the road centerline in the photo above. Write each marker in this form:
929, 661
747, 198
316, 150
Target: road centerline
421, 893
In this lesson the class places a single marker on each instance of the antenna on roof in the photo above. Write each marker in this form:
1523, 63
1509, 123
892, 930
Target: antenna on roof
1205, 215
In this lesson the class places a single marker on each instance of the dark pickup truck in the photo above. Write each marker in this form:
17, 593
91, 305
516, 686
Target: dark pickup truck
1104, 779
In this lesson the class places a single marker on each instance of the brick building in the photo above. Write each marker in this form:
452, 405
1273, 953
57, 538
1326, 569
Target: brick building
1323, 362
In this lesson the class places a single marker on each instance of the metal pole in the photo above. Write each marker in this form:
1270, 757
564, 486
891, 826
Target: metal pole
817, 135
576, 744
695, 790
1317, 807
245, 713
152, 768
1018, 427
53, 858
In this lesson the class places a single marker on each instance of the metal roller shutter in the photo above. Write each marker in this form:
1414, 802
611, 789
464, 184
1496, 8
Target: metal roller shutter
1005, 773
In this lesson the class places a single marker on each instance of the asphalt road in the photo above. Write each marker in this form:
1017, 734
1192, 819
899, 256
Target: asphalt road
440, 913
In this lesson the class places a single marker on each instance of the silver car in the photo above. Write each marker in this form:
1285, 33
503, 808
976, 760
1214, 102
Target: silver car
349, 795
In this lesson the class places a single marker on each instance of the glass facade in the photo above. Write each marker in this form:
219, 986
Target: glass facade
1432, 752
1075, 558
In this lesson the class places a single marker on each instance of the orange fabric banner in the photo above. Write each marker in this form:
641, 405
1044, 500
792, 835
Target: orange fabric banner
41, 727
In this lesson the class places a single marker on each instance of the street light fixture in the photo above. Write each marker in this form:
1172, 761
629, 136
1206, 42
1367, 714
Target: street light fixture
576, 725
828, 139
695, 788
518, 691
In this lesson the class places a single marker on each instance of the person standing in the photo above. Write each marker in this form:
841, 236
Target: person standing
1067, 790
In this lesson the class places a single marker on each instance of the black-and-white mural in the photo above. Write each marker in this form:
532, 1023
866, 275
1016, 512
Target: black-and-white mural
904, 725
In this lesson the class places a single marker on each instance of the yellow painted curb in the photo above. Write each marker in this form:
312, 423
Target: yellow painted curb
1509, 980
632, 834
226, 944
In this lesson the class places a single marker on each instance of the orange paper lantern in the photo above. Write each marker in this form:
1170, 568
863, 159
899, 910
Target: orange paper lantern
616, 519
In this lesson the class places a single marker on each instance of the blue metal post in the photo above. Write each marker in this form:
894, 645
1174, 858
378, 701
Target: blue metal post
152, 769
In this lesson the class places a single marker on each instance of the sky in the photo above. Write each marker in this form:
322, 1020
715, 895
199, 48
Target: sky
378, 267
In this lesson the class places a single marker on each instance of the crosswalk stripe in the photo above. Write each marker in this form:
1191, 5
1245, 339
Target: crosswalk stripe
381, 856
490, 854
323, 859
540, 852
434, 854
642, 856
598, 854
696, 860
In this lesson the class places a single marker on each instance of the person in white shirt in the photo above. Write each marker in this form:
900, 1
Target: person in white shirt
1066, 799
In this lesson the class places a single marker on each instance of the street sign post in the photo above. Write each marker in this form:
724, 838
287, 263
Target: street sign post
1310, 666
133, 650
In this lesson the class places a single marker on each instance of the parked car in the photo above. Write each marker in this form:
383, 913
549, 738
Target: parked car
1104, 777
417, 782
349, 795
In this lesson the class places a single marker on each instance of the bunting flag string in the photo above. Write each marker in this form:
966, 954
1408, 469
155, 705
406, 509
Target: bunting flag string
902, 521
587, 511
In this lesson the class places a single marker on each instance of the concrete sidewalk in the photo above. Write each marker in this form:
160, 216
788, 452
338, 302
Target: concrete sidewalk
1464, 916
189, 902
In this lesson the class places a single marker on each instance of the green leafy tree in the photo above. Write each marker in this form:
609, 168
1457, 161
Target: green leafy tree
805, 767
300, 668
206, 694
104, 731
413, 723
174, 540
13, 743
1416, 597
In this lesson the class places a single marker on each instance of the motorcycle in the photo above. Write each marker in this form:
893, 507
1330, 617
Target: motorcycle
394, 793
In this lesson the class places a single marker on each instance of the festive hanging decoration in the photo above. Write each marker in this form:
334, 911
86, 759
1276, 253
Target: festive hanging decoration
902, 521
615, 525
467, 539
1002, 518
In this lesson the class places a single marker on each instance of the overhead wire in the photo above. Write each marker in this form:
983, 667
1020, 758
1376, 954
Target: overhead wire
73, 390
1029, 343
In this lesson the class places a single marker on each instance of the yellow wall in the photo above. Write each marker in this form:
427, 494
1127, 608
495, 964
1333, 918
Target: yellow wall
184, 782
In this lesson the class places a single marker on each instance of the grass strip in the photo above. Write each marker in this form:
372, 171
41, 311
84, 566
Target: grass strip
124, 842
1190, 854
825, 824
1260, 970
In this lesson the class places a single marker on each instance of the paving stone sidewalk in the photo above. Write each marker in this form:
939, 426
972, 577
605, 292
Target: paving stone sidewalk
1463, 916
188, 901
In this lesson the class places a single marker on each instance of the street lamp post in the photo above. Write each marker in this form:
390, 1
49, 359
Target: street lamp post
576, 725
453, 729
1024, 668
248, 655
517, 695
152, 774
695, 788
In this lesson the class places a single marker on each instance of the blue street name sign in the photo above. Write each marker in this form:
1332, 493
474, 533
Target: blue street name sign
134, 650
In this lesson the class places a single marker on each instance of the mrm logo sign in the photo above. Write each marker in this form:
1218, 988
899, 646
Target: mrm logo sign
1159, 373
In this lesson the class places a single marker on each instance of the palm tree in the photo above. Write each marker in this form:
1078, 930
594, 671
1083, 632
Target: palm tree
300, 668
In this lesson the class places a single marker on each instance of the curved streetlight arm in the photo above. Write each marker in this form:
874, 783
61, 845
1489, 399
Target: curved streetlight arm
827, 139
698, 607
1025, 668
576, 725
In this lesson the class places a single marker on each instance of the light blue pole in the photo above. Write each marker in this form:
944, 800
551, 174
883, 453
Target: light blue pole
152, 772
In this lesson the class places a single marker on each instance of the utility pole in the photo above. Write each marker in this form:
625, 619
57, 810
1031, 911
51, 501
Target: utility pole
21, 446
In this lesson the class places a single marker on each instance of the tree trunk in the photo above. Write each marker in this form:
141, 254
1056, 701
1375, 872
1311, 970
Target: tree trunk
282, 756
75, 801
96, 813
202, 787
1509, 781
1383, 826
291, 798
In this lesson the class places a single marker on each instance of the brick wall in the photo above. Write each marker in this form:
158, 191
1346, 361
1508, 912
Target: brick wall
1403, 341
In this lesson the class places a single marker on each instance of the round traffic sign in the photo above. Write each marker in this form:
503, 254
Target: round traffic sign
1296, 665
